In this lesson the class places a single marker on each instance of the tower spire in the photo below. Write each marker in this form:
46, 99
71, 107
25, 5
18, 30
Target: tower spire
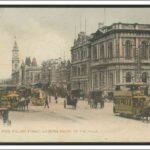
15, 57
15, 44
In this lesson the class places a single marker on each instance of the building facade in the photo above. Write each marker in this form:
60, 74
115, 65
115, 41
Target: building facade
55, 72
30, 72
80, 63
118, 53
63, 74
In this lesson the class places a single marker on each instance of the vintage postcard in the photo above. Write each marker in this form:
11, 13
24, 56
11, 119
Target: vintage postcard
74, 74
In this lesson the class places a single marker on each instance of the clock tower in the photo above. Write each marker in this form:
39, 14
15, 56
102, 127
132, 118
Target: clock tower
15, 58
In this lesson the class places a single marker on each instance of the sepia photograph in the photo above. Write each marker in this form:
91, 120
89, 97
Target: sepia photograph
74, 74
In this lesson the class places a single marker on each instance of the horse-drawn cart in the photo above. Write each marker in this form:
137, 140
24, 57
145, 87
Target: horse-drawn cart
95, 98
72, 98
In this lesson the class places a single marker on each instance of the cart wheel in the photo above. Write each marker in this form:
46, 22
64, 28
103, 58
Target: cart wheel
64, 104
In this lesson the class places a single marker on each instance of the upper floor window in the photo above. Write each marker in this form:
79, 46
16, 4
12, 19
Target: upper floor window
128, 48
102, 51
110, 50
144, 50
94, 52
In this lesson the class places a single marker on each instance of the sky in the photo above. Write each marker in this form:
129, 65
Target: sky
46, 33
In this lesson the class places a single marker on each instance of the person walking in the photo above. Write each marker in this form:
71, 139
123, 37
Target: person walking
46, 102
5, 116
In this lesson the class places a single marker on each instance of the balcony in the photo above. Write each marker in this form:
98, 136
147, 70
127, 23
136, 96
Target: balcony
113, 60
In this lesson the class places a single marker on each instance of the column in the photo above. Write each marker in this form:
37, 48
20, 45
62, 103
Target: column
120, 47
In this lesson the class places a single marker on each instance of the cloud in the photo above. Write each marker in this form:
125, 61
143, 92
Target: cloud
49, 32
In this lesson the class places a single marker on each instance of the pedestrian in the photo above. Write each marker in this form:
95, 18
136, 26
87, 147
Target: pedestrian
56, 97
46, 102
22, 103
5, 115
103, 99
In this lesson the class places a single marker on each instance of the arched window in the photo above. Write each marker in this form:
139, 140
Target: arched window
144, 77
128, 48
110, 50
144, 50
128, 77
102, 51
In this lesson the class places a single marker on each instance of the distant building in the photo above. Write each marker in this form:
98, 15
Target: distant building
55, 72
15, 65
63, 73
30, 72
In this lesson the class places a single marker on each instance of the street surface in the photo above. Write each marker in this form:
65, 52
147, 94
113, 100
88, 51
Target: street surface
84, 124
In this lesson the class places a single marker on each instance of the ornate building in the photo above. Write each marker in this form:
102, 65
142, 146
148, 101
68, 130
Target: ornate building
80, 63
120, 53
30, 72
55, 72
117, 53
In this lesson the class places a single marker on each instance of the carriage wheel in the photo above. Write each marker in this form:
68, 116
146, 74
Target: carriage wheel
64, 104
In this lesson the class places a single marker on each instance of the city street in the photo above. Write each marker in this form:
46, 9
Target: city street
84, 124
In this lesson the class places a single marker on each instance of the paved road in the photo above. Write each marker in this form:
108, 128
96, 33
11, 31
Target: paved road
81, 125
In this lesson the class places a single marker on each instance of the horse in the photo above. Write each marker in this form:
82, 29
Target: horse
23, 105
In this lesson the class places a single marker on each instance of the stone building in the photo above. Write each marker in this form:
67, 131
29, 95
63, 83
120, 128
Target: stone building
50, 71
30, 72
80, 63
120, 53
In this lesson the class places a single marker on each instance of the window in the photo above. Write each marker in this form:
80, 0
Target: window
128, 77
102, 51
111, 79
144, 77
128, 48
110, 50
101, 78
95, 81
15, 66
144, 50
94, 52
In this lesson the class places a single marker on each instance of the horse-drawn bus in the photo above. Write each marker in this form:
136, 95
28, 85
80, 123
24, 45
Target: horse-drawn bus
37, 97
130, 99
13, 99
